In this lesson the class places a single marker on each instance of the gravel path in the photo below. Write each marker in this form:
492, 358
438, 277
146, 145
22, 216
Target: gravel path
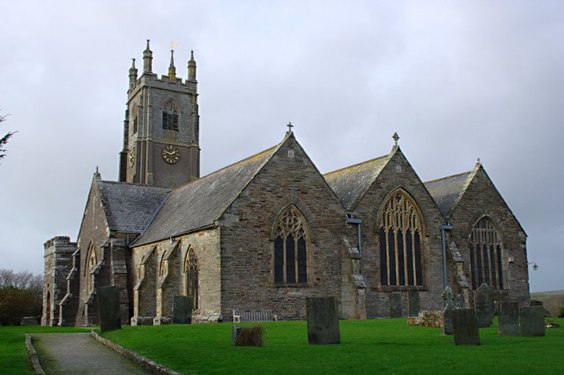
79, 353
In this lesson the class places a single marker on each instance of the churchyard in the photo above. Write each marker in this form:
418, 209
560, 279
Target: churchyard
366, 346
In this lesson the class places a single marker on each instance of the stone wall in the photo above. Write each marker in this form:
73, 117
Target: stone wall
398, 173
247, 237
58, 254
480, 199
154, 293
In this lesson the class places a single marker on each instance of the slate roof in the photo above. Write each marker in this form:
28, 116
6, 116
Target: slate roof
128, 207
200, 203
350, 183
447, 191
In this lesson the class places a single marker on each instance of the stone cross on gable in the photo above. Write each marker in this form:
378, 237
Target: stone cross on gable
290, 126
395, 137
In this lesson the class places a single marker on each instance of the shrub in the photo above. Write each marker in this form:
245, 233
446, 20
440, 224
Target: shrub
248, 336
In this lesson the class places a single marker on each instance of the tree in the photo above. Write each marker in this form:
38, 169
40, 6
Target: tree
4, 139
20, 295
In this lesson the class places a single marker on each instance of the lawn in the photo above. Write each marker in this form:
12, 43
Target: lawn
370, 346
13, 353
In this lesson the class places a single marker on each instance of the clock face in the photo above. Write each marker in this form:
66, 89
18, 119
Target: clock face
131, 157
171, 154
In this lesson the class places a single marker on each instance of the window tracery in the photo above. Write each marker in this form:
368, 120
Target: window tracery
290, 248
485, 255
400, 237
91, 265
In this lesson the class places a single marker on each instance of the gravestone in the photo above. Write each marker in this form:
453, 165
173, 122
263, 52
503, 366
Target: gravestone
182, 310
395, 305
413, 304
531, 321
322, 321
484, 305
108, 308
448, 328
458, 301
466, 331
508, 317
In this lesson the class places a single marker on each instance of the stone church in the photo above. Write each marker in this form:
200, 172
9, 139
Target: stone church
268, 231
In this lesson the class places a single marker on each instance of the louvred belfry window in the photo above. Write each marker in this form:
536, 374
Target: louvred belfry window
400, 240
170, 117
485, 255
290, 248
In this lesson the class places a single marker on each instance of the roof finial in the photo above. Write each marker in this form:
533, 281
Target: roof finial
97, 174
290, 126
132, 74
395, 137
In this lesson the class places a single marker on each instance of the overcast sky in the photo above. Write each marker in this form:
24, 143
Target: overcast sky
458, 80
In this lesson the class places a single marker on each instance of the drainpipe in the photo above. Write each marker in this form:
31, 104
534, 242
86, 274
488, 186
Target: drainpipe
351, 219
443, 227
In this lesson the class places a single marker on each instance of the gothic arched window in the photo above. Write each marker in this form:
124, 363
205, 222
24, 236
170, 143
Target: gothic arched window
400, 237
485, 255
191, 277
162, 266
290, 248
170, 116
90, 266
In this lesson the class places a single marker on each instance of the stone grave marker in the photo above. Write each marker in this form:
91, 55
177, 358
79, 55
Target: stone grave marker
448, 328
395, 305
182, 310
108, 308
322, 321
466, 331
413, 304
531, 321
484, 305
508, 317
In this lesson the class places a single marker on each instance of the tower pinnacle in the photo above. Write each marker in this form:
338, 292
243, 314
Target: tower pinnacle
132, 75
192, 67
148, 59
172, 68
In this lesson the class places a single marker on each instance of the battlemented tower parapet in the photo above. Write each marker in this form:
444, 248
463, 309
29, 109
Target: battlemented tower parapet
58, 262
161, 128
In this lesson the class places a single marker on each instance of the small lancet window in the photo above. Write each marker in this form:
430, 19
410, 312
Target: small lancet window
191, 277
485, 255
170, 116
400, 242
290, 248
91, 265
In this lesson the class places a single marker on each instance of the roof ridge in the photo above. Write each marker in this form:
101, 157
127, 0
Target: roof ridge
357, 164
131, 184
447, 177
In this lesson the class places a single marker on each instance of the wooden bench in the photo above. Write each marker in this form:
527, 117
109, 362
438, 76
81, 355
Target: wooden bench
253, 316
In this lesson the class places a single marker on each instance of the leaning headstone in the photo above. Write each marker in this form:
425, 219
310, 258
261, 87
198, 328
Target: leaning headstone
322, 321
484, 304
448, 328
182, 310
531, 321
508, 317
466, 331
395, 305
413, 304
108, 308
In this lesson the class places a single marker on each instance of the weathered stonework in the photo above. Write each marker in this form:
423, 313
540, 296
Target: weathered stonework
267, 232
58, 260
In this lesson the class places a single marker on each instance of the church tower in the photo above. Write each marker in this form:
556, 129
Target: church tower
161, 126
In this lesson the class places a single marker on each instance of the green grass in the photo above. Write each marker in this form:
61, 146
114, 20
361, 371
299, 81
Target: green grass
13, 353
370, 346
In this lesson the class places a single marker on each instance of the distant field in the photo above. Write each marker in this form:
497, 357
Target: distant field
370, 346
553, 301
